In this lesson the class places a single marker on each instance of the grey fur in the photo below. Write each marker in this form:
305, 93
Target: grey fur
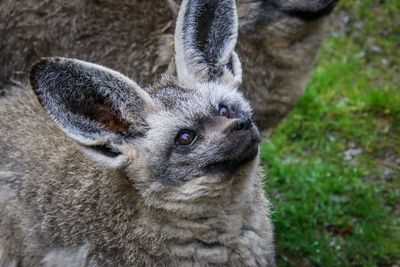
278, 43
67, 257
136, 196
209, 31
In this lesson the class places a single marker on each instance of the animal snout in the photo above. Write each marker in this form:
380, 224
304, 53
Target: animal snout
243, 124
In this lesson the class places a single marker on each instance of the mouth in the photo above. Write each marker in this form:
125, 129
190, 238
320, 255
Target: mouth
235, 163
232, 165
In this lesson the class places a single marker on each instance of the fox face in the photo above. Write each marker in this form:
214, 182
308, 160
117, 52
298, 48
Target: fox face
200, 145
188, 137
207, 131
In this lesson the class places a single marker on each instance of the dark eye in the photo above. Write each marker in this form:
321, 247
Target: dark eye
185, 137
224, 111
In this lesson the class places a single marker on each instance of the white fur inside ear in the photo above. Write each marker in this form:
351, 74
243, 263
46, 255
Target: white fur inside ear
179, 43
95, 138
111, 163
232, 79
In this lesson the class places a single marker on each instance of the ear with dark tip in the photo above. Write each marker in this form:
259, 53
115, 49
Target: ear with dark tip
205, 38
95, 106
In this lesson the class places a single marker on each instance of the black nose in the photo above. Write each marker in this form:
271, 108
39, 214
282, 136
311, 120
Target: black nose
243, 124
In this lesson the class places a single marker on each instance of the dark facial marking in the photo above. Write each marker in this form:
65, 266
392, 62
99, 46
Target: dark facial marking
233, 165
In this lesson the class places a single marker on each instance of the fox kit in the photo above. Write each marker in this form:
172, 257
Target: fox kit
278, 42
97, 171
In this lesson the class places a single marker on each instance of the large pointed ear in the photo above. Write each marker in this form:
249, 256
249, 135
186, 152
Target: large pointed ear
95, 106
205, 38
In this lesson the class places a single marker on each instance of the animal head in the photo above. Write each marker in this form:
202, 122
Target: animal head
188, 138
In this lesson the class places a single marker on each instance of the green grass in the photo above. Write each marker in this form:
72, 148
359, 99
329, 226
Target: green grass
329, 210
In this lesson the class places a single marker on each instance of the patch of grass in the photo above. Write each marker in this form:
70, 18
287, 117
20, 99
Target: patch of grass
334, 163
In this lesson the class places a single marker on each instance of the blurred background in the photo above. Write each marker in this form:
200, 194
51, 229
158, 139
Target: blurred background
334, 163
